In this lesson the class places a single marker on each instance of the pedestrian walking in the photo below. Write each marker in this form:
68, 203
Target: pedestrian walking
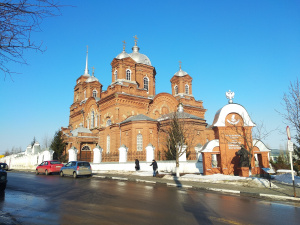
155, 167
137, 165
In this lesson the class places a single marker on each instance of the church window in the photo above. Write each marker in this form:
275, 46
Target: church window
116, 75
176, 90
139, 142
107, 144
85, 148
146, 83
84, 94
94, 93
186, 89
128, 75
108, 123
92, 119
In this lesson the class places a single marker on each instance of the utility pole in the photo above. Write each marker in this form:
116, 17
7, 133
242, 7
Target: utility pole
290, 147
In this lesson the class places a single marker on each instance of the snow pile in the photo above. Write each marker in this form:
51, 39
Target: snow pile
263, 182
215, 178
287, 179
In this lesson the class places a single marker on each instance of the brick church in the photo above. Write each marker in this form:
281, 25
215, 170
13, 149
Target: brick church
130, 115
130, 112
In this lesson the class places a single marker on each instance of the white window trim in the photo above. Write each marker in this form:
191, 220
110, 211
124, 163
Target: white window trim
130, 74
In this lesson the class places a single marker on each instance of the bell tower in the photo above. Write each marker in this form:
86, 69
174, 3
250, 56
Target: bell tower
134, 69
181, 84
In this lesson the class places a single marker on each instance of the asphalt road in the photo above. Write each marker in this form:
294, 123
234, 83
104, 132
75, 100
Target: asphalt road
40, 199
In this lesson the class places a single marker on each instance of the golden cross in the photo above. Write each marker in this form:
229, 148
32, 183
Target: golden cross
180, 64
124, 43
135, 41
93, 70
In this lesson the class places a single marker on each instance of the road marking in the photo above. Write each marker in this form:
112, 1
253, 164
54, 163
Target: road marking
280, 197
99, 176
145, 181
223, 190
228, 221
119, 178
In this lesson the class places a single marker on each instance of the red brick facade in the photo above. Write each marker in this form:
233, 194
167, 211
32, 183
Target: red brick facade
128, 111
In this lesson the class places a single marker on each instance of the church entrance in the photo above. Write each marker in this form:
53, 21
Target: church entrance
86, 154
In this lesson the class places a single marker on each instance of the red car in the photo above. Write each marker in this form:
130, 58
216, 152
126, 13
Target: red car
48, 167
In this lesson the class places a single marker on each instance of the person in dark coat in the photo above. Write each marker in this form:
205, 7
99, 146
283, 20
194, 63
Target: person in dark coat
155, 167
137, 165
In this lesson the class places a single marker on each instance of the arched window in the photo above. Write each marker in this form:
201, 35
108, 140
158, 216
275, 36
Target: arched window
128, 75
139, 142
85, 148
116, 75
92, 119
107, 144
176, 90
186, 89
108, 122
94, 93
84, 94
146, 82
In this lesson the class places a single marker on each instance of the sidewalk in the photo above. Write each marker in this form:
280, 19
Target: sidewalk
278, 191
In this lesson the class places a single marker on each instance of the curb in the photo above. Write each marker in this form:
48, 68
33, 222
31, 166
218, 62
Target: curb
241, 193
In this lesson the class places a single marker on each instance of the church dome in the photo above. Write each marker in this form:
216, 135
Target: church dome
180, 73
138, 57
91, 79
123, 55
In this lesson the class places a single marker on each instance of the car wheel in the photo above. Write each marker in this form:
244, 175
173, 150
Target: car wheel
75, 175
61, 173
37, 172
46, 172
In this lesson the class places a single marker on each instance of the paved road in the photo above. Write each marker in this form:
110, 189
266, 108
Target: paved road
41, 199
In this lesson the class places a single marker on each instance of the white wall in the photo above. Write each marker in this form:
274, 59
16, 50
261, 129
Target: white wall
163, 166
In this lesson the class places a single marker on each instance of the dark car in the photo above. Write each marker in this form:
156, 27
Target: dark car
76, 168
4, 166
3, 180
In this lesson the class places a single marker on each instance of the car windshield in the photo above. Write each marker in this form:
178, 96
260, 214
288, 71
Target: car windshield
83, 164
55, 162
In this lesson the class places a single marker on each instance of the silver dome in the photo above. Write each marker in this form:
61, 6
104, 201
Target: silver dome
123, 55
180, 73
91, 79
138, 57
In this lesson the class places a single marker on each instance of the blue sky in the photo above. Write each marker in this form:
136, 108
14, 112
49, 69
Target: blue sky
249, 47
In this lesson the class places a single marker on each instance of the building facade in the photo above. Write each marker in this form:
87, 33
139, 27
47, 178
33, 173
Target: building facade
131, 116
130, 112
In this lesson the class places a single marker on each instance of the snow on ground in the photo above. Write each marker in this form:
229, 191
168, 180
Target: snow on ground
287, 179
216, 178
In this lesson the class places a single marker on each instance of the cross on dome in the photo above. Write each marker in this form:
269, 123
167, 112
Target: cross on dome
135, 40
124, 44
93, 71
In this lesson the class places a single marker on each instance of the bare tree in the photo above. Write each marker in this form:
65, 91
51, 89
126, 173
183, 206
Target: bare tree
249, 138
18, 19
291, 104
46, 141
178, 135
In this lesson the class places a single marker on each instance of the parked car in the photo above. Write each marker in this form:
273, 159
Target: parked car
48, 167
3, 180
4, 166
76, 168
